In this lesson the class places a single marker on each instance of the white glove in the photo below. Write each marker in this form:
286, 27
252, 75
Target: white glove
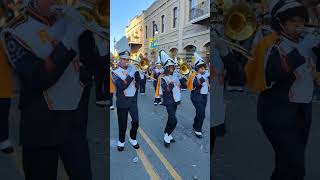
131, 70
73, 31
309, 41
61, 24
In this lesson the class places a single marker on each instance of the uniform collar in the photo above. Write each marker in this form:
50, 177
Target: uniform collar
288, 38
122, 67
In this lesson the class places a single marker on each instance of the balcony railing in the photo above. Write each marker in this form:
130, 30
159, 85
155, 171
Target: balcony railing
200, 10
135, 40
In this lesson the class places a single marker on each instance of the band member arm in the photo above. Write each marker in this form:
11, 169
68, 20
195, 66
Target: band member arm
197, 83
137, 79
39, 74
275, 70
89, 54
123, 84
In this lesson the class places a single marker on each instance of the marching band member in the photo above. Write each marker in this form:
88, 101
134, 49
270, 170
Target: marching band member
112, 90
169, 87
198, 84
143, 81
156, 73
284, 107
43, 50
126, 79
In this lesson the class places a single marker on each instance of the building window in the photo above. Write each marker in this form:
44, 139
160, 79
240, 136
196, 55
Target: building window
146, 32
162, 24
191, 9
154, 28
175, 17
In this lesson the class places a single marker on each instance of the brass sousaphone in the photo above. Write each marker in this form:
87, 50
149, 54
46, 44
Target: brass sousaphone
239, 22
185, 68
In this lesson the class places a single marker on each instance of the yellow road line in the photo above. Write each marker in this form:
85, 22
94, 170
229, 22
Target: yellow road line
145, 161
164, 161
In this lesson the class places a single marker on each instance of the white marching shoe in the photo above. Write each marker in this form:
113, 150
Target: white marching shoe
171, 139
198, 134
111, 107
167, 140
120, 146
134, 143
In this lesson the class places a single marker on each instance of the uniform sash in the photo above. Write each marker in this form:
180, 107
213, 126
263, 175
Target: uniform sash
190, 81
5, 76
255, 69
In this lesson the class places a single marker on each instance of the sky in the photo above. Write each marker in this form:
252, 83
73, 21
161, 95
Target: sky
121, 12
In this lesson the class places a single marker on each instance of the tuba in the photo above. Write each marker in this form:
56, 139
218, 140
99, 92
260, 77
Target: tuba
185, 68
239, 22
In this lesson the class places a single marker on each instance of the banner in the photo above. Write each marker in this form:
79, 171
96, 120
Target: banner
153, 43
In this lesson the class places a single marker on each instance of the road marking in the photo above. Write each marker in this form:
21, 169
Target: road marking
154, 148
145, 161
161, 157
164, 161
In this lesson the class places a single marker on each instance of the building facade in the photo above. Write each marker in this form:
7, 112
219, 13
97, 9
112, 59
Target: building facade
181, 27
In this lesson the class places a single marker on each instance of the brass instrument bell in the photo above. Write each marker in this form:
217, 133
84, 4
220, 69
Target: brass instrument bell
180, 61
185, 68
144, 64
239, 22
